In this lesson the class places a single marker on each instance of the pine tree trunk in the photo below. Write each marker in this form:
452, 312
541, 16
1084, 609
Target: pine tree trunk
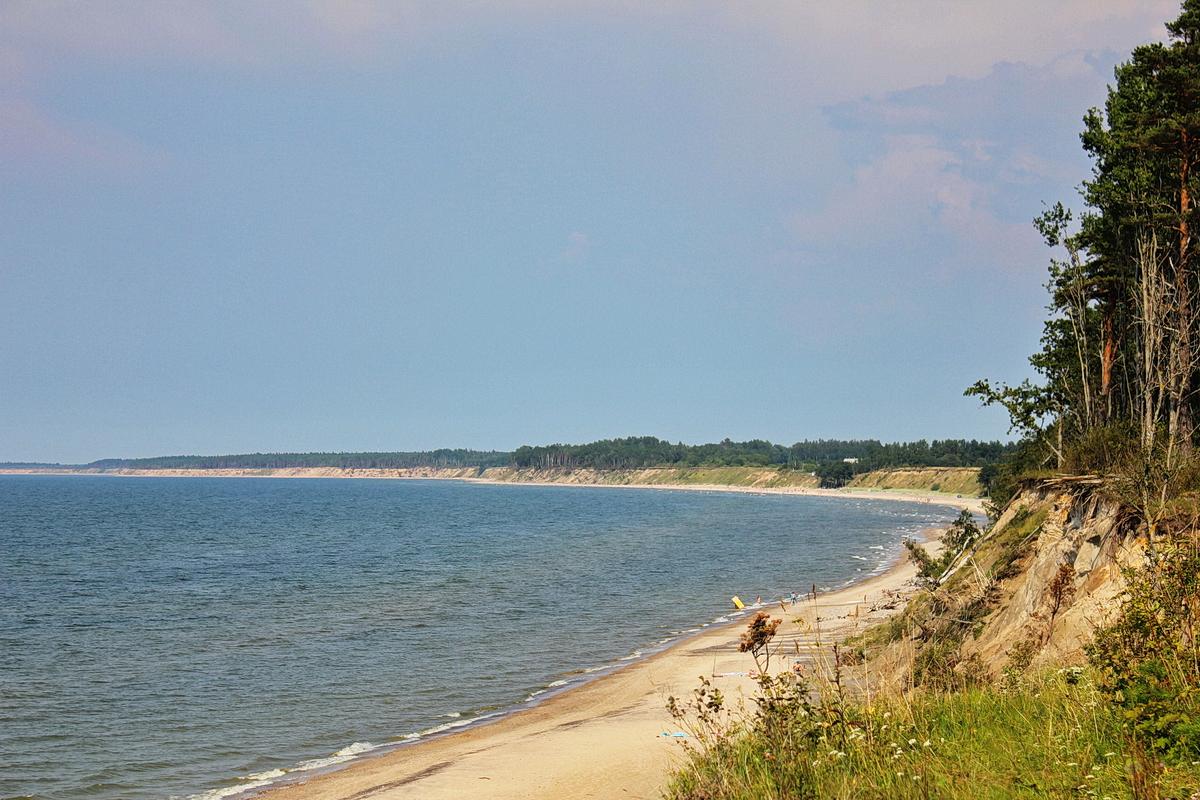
1183, 378
1107, 359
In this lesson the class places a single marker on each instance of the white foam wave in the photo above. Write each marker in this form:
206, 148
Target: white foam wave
258, 780
228, 791
270, 774
341, 756
447, 726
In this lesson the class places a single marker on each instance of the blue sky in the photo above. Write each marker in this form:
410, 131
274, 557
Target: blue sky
397, 226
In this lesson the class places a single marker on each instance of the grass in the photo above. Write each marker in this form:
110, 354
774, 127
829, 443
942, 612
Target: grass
1054, 736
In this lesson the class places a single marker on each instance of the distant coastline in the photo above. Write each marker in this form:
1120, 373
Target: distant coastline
913, 484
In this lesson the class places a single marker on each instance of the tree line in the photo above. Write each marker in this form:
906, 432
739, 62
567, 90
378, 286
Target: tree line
1120, 360
635, 452
647, 451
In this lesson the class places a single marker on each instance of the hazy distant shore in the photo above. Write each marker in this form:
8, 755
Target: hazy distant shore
753, 481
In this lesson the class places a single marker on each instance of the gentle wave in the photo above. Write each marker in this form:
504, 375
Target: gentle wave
261, 779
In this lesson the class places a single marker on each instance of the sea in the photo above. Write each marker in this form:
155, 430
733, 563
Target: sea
207, 637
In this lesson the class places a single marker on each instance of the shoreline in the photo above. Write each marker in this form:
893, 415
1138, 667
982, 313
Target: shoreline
600, 736
962, 502
973, 504
605, 736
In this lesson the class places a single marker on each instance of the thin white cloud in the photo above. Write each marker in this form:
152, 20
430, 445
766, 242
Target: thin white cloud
867, 45
34, 139
802, 54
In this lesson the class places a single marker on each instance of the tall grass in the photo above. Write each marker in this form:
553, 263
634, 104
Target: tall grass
1052, 736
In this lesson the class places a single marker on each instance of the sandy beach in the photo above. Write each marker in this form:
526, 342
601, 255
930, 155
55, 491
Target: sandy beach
606, 738
973, 504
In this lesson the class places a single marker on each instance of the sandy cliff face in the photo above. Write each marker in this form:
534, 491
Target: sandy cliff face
748, 477
952, 480
1033, 589
1070, 545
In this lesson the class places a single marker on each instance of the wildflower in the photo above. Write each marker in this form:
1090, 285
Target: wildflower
912, 742
927, 743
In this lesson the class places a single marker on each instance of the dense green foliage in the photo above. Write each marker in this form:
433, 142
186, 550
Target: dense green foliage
1149, 658
647, 451
1120, 359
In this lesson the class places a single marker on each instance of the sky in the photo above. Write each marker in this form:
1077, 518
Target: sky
286, 226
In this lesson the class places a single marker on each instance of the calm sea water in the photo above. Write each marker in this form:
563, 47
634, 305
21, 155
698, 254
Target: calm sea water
177, 637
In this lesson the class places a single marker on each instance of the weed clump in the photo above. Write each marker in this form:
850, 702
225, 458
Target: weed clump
1148, 659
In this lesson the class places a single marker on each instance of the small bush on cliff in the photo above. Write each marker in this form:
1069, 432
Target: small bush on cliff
1148, 660
961, 534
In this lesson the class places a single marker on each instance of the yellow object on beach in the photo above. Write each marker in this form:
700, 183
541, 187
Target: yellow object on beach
737, 602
